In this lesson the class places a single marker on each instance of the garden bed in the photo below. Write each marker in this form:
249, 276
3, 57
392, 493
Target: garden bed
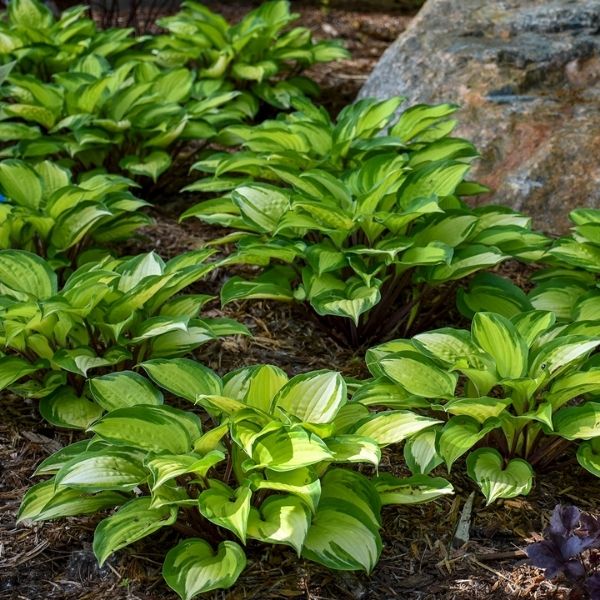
55, 560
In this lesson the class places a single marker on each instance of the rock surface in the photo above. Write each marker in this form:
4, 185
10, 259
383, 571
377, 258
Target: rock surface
527, 75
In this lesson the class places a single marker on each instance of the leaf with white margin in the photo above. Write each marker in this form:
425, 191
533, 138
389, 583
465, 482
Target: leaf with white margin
572, 385
460, 434
183, 377
588, 456
64, 408
411, 490
313, 397
44, 501
496, 480
560, 352
578, 422
280, 520
132, 522
354, 448
303, 482
165, 467
501, 340
391, 427
289, 449
420, 452
419, 375
192, 568
344, 534
123, 388
226, 507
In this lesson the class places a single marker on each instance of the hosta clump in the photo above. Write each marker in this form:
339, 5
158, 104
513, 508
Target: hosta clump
260, 53
371, 224
267, 468
571, 536
135, 118
111, 313
46, 212
570, 288
42, 45
520, 390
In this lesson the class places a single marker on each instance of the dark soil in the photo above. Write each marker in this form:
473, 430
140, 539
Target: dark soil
54, 560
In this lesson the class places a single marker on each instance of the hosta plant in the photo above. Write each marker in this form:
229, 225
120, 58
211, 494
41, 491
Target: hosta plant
109, 314
515, 393
136, 118
267, 465
46, 212
570, 287
261, 53
370, 224
43, 45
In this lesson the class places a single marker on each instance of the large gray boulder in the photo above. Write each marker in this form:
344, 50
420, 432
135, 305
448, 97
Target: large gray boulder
527, 75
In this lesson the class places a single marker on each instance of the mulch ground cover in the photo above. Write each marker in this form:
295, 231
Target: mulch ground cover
419, 561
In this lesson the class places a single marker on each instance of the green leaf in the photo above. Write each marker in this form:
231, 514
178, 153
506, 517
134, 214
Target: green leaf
354, 448
183, 377
588, 456
495, 478
287, 450
12, 368
132, 522
420, 452
153, 165
20, 183
158, 428
256, 386
192, 568
55, 461
26, 273
391, 427
313, 397
237, 288
44, 501
280, 520
105, 469
226, 508
501, 340
411, 490
578, 422
123, 388
344, 533
64, 408
261, 205
419, 376
480, 409
165, 467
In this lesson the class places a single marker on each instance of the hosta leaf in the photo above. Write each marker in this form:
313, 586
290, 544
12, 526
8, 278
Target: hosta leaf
412, 490
419, 375
261, 205
132, 522
105, 469
342, 535
588, 456
26, 273
460, 434
237, 288
499, 338
480, 409
313, 397
226, 508
354, 448
572, 385
280, 520
183, 377
123, 388
158, 428
302, 482
453, 346
286, 450
12, 368
560, 352
351, 302
44, 501
578, 422
497, 479
192, 568
420, 452
61, 457
392, 427
255, 386
20, 183
165, 467
153, 165
64, 408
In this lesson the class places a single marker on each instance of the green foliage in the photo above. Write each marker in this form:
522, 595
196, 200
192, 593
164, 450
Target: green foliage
108, 316
366, 210
134, 118
267, 469
521, 387
260, 53
42, 45
45, 212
